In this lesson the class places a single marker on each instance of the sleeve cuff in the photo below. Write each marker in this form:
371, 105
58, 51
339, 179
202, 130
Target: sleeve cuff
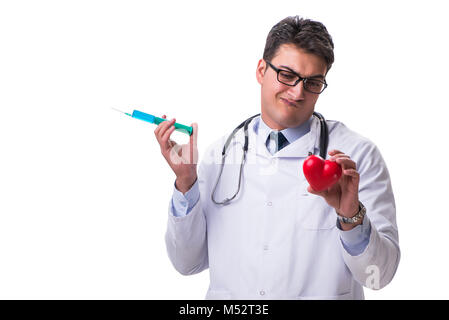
356, 240
182, 204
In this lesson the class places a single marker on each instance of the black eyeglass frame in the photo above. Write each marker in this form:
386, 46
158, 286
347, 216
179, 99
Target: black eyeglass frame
277, 70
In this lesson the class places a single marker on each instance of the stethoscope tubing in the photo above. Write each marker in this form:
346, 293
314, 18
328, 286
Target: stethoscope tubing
324, 142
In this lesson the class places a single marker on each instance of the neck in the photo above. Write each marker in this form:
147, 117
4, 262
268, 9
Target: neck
271, 124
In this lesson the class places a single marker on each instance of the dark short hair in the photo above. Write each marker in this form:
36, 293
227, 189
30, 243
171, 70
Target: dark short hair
306, 34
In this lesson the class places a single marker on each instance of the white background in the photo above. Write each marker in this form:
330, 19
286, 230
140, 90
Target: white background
84, 190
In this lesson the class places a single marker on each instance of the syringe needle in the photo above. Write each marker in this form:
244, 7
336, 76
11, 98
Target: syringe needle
117, 110
120, 111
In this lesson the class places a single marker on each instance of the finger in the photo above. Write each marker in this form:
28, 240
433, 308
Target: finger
351, 172
194, 135
159, 132
166, 136
346, 163
193, 144
334, 152
158, 128
318, 193
164, 126
310, 189
340, 155
171, 143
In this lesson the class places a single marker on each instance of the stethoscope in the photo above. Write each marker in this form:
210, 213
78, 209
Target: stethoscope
324, 142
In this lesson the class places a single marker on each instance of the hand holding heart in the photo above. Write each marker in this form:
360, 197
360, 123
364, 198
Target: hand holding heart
342, 193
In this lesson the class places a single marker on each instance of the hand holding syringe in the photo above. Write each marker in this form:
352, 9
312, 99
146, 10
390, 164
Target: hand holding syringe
181, 158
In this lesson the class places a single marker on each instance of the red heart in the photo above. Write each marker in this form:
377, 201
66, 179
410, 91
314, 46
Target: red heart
321, 174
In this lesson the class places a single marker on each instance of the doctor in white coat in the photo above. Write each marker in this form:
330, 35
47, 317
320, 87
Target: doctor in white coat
278, 238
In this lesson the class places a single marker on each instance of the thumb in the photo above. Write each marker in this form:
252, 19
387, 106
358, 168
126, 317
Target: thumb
194, 135
193, 143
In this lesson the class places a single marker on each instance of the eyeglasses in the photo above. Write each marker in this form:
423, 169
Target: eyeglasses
291, 79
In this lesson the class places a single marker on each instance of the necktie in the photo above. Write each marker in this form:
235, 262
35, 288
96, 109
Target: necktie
276, 141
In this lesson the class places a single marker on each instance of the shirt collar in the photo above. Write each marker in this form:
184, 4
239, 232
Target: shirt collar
291, 134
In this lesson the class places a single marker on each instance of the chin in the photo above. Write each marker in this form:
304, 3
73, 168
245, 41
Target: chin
286, 121
294, 120
290, 114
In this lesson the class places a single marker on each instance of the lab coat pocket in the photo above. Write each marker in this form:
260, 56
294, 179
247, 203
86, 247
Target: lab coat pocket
313, 212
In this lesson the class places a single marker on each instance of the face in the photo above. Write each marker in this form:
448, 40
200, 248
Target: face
285, 106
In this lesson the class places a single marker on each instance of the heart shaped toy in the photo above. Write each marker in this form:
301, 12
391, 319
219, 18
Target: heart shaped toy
321, 174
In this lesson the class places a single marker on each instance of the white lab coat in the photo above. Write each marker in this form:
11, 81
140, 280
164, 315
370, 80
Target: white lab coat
275, 240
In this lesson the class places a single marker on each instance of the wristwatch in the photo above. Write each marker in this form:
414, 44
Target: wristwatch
358, 216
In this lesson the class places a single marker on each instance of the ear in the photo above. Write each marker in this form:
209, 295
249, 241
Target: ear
260, 71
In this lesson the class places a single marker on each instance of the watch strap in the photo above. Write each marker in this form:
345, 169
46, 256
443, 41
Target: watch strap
356, 218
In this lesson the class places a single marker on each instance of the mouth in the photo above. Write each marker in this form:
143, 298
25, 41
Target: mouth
289, 103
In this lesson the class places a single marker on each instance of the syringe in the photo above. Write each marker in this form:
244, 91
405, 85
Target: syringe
156, 120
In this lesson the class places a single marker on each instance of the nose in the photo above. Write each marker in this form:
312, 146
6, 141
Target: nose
296, 92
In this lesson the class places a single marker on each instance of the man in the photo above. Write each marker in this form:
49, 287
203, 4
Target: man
278, 238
